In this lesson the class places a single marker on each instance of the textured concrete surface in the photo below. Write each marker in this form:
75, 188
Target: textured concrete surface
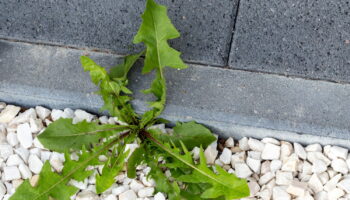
238, 103
294, 37
206, 26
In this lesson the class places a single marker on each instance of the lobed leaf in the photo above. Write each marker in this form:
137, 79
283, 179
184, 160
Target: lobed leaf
112, 85
155, 30
190, 133
121, 71
110, 170
222, 183
52, 185
62, 134
134, 160
163, 184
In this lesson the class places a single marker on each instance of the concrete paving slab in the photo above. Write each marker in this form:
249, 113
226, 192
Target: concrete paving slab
239, 103
111, 25
302, 38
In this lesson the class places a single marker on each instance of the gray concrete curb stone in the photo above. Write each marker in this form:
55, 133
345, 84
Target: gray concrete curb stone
237, 103
112, 24
302, 38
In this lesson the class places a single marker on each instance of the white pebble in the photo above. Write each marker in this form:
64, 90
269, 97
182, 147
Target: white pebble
25, 171
24, 135
291, 163
42, 112
9, 113
332, 183
136, 186
35, 164
321, 196
230, 142
2, 105
81, 115
315, 184
79, 184
324, 178
86, 195
36, 125
271, 152
338, 152
271, 140
265, 194
56, 114
11, 173
306, 168
284, 178
279, 193
145, 192
256, 145
340, 165
238, 157
24, 117
297, 188
12, 139
2, 133
14, 160
266, 178
195, 152
255, 155
242, 170
56, 163
254, 187
159, 196
286, 149
120, 189
68, 113
336, 193
300, 151
345, 185
34, 180
313, 148
2, 190
38, 144
128, 195
111, 197
225, 156
275, 165
35, 151
147, 181
254, 164
23, 152
210, 154
319, 166
5, 151
313, 156
243, 144
265, 167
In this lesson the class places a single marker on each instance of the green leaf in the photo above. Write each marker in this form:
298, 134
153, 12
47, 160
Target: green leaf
162, 182
221, 183
62, 134
111, 88
190, 133
110, 170
134, 160
54, 185
122, 70
97, 73
155, 30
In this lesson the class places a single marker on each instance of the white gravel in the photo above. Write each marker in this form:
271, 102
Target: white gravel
277, 170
